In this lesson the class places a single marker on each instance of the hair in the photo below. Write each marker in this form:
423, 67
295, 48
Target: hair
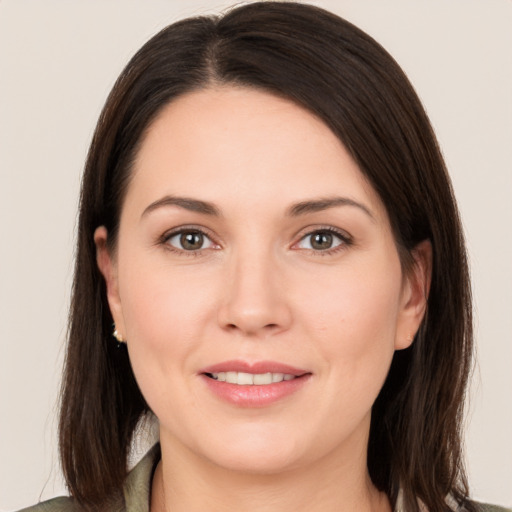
333, 69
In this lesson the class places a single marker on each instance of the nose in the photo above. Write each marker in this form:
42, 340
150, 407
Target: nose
254, 298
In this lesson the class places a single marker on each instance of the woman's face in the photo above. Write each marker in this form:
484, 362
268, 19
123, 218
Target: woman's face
252, 249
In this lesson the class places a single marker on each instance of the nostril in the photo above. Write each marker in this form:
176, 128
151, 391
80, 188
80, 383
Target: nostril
234, 327
252, 319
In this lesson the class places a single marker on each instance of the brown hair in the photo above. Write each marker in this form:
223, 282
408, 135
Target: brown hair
342, 75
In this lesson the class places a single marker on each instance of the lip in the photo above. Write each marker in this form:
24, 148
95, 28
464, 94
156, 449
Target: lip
254, 367
254, 396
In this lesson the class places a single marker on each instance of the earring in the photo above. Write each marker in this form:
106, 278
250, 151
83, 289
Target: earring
118, 336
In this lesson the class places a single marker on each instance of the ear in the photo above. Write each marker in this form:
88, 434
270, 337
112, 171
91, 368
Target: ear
107, 266
414, 299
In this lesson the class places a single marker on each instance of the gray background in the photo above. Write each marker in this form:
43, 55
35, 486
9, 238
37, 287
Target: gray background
58, 60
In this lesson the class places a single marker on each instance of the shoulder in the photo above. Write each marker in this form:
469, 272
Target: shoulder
61, 504
133, 496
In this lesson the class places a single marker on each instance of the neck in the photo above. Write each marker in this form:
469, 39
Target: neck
184, 482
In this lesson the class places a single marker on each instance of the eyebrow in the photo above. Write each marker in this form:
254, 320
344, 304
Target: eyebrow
318, 205
193, 205
295, 210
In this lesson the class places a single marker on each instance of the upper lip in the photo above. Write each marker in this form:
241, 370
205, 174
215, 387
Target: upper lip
255, 367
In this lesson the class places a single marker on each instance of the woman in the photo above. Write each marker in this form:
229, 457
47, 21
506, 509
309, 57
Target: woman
267, 221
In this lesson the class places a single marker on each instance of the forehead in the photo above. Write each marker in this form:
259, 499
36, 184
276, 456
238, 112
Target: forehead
245, 146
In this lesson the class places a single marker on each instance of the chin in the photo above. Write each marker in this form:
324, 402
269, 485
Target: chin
252, 463
257, 453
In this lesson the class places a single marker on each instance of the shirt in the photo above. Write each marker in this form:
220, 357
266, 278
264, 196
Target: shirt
137, 492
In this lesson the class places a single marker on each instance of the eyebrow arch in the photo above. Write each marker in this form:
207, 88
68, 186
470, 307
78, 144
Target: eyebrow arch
318, 205
193, 205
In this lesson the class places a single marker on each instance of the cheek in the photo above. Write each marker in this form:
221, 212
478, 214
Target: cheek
165, 312
163, 306
354, 321
355, 328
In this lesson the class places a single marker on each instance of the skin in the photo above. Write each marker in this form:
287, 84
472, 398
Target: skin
258, 290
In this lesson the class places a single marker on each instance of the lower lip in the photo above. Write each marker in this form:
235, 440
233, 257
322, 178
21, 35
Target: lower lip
254, 395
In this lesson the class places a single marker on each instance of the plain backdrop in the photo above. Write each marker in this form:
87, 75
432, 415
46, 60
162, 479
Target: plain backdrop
59, 59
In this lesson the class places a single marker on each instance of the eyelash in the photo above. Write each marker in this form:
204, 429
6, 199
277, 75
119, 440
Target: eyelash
346, 240
164, 240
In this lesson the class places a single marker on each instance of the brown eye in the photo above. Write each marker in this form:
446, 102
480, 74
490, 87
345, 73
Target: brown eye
322, 240
189, 241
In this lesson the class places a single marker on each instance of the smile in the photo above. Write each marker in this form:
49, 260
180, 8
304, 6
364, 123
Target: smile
254, 384
251, 379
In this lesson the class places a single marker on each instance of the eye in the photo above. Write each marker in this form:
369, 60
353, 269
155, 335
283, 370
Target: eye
189, 240
322, 240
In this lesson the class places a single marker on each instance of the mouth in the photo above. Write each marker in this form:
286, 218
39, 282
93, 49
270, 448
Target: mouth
257, 384
251, 379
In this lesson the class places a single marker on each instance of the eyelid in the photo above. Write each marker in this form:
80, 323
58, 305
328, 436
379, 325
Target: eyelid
345, 237
164, 239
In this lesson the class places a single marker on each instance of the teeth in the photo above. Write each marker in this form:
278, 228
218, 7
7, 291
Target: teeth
231, 377
247, 379
262, 378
